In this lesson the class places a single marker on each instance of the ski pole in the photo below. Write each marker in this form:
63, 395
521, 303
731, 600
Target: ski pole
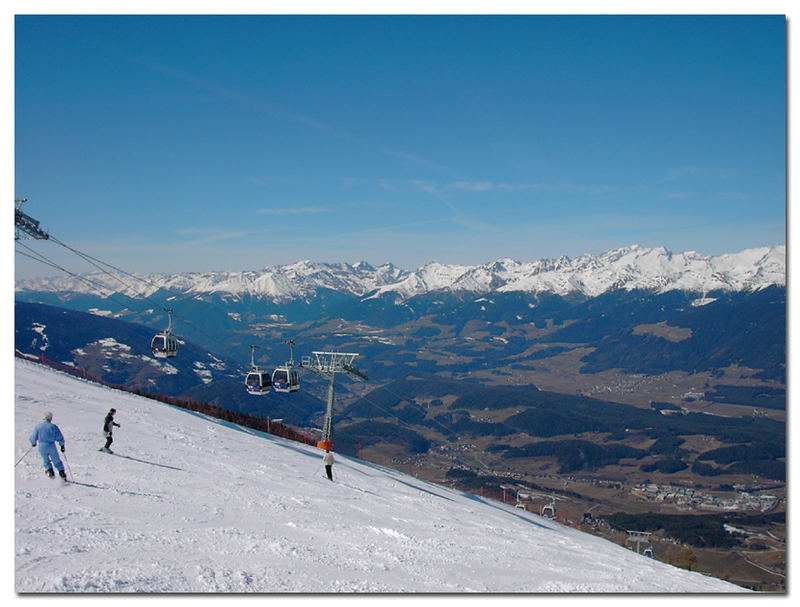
23, 457
64, 453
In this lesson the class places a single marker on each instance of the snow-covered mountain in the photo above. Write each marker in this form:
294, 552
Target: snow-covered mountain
280, 284
634, 267
192, 504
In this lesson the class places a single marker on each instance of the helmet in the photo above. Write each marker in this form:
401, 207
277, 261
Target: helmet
48, 416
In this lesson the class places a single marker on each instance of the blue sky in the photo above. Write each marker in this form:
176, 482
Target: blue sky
188, 143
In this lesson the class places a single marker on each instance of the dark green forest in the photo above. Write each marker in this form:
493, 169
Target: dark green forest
703, 530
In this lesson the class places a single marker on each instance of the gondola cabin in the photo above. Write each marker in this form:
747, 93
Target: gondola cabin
258, 382
164, 345
286, 379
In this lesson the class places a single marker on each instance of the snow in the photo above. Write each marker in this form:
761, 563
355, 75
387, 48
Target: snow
633, 267
98, 312
40, 329
189, 504
203, 373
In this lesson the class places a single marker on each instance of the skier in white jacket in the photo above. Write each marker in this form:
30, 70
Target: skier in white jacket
327, 459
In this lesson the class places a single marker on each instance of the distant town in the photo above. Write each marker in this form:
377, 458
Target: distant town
687, 498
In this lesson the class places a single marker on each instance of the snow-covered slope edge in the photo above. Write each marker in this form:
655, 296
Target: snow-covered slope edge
191, 504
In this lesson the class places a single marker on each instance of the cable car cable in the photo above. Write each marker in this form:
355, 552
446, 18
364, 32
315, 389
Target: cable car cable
170, 343
98, 287
139, 278
95, 261
92, 261
92, 284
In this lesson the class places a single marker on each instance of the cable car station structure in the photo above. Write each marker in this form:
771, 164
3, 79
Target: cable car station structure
327, 365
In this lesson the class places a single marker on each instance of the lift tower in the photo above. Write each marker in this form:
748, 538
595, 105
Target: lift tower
26, 224
639, 538
327, 365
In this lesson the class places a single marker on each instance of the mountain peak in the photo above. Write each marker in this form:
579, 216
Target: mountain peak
631, 267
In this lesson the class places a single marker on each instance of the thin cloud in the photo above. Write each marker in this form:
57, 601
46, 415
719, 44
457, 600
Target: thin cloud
421, 185
487, 186
235, 96
681, 173
354, 181
733, 196
472, 186
209, 237
301, 119
415, 159
294, 211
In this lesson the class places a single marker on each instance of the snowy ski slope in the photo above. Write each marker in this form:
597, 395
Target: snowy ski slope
189, 504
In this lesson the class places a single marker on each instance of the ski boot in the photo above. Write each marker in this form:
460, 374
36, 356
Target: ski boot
49, 472
63, 475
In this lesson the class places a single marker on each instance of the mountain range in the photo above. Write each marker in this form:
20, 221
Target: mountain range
549, 323
629, 268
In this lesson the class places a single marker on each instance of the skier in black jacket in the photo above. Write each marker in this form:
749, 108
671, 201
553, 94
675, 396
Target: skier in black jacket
108, 429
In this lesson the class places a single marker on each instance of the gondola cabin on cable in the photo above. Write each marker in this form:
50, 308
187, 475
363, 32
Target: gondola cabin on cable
258, 381
165, 344
286, 378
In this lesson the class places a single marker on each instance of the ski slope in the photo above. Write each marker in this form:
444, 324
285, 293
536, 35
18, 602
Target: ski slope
189, 504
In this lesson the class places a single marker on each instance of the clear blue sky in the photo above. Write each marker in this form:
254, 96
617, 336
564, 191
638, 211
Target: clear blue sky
186, 143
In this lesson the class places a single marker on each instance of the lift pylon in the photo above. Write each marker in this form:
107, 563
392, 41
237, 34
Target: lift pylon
27, 224
327, 365
639, 538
